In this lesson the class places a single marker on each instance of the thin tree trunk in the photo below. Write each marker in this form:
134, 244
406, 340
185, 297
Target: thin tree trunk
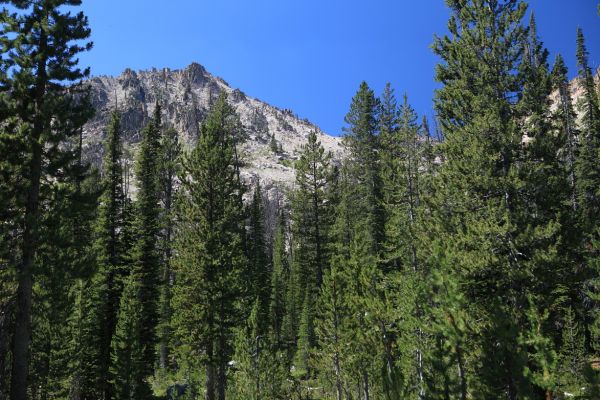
365, 385
22, 336
461, 372
210, 373
338, 380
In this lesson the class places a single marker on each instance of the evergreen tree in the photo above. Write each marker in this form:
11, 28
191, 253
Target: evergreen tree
209, 256
260, 368
504, 248
587, 167
128, 372
169, 159
572, 359
106, 286
273, 145
279, 282
402, 188
332, 333
565, 120
311, 216
361, 141
145, 271
259, 265
41, 42
306, 336
65, 258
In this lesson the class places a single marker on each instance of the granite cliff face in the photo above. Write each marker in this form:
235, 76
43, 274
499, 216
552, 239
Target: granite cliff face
185, 96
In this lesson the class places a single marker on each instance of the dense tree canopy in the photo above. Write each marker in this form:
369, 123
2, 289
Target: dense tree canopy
460, 265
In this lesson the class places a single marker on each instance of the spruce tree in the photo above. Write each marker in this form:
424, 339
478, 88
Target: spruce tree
209, 255
332, 333
565, 120
65, 258
260, 367
363, 164
102, 305
128, 372
144, 274
311, 222
279, 282
169, 166
311, 216
41, 42
259, 265
588, 173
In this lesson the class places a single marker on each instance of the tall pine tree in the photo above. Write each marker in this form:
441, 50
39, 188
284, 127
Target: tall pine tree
41, 42
209, 254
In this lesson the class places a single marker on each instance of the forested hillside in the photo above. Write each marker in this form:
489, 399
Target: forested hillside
449, 259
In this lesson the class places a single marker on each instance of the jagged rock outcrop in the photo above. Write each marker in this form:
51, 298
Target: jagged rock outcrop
185, 96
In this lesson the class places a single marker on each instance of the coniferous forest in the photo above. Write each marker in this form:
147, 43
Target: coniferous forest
455, 262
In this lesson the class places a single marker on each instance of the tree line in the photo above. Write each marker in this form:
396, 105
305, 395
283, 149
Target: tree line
461, 263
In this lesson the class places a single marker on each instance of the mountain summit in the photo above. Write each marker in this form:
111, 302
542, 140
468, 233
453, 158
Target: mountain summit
185, 96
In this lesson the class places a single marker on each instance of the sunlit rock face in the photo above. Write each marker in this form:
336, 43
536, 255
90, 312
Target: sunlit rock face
185, 97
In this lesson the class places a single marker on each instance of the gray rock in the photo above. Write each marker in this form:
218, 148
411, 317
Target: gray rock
185, 97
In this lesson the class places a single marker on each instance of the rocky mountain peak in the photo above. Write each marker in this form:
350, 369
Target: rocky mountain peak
185, 96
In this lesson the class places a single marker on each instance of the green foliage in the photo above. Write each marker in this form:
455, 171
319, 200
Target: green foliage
458, 268
274, 145
128, 372
260, 369
363, 165
209, 254
258, 261
41, 121
102, 306
311, 213
170, 151
280, 280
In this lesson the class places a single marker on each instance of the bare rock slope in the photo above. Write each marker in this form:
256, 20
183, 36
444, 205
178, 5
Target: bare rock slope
185, 96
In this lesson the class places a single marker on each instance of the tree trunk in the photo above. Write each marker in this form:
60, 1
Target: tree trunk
338, 380
461, 373
22, 336
210, 373
365, 385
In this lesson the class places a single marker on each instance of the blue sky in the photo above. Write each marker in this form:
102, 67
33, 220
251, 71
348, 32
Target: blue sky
306, 55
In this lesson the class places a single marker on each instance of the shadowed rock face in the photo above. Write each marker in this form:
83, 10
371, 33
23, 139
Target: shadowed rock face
185, 97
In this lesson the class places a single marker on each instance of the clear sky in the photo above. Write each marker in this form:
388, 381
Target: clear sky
306, 55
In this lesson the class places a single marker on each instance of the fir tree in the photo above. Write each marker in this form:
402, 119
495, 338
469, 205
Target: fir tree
310, 212
260, 368
361, 140
279, 282
259, 264
274, 145
106, 287
588, 173
128, 372
331, 331
210, 256
565, 119
145, 270
169, 158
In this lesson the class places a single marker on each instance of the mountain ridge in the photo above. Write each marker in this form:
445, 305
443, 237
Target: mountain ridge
185, 96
